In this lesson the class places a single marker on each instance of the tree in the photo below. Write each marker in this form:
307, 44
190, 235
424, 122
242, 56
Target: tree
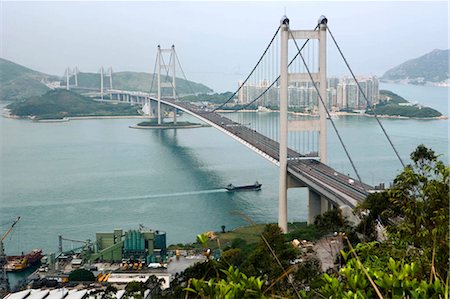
270, 258
133, 288
110, 292
81, 275
235, 285
413, 262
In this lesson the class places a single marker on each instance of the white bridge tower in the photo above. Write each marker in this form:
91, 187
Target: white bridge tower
320, 77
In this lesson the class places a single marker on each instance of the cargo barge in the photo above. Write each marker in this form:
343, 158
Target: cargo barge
255, 187
17, 263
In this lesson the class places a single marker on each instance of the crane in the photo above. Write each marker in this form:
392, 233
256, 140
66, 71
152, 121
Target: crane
4, 283
61, 238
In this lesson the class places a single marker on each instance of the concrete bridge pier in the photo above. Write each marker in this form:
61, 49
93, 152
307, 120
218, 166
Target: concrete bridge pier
174, 110
317, 205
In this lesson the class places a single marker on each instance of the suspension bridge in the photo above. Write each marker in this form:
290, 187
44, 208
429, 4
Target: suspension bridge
297, 145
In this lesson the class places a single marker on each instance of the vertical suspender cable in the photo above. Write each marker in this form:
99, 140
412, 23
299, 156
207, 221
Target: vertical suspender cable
154, 74
326, 110
367, 101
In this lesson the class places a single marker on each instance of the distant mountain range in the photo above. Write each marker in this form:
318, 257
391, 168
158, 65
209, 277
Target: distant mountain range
429, 68
19, 82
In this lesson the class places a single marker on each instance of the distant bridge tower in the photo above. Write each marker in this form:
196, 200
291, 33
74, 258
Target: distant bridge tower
316, 206
110, 72
162, 66
67, 75
75, 73
101, 71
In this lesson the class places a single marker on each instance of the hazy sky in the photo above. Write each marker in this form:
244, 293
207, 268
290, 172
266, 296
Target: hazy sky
217, 42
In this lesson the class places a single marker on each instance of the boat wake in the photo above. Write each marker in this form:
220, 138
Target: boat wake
67, 202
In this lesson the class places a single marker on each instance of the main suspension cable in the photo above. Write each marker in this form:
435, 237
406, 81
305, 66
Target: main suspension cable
276, 80
245, 81
326, 109
154, 72
184, 75
365, 98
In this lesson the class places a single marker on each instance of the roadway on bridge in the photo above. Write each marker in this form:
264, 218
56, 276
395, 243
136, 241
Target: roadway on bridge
311, 172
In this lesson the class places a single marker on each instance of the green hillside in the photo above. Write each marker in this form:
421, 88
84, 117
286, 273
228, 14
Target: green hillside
431, 67
62, 103
19, 82
394, 105
135, 81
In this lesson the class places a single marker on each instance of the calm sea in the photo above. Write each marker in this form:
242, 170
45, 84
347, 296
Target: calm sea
80, 177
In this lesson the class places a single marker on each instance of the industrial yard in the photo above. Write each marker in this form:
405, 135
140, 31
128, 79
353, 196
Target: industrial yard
114, 259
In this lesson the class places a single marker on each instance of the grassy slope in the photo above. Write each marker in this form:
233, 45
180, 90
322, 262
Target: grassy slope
60, 103
19, 82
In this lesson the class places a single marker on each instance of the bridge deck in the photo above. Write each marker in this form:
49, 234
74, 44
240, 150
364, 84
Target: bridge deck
317, 174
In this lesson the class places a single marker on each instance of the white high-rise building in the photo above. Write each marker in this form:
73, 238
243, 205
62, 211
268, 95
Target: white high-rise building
342, 94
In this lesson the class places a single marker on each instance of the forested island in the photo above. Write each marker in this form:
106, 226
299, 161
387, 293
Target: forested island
60, 103
392, 104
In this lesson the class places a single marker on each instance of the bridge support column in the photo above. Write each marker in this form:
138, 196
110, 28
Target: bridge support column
323, 91
174, 116
283, 137
324, 205
317, 205
314, 205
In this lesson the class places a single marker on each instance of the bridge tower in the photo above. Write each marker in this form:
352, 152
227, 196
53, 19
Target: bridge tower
67, 75
316, 203
75, 73
162, 66
101, 71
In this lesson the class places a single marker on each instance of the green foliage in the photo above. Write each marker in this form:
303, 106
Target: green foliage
203, 240
61, 103
134, 287
389, 105
406, 111
391, 97
266, 257
393, 279
235, 285
81, 275
331, 221
307, 232
420, 196
415, 212
154, 285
